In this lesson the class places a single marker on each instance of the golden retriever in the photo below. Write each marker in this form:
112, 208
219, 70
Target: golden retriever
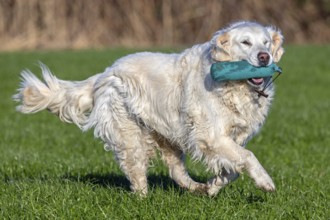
147, 101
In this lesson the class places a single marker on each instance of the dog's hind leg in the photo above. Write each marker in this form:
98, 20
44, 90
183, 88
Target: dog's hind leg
175, 162
133, 153
174, 159
119, 130
133, 161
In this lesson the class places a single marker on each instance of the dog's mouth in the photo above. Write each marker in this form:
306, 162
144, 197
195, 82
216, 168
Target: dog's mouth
256, 81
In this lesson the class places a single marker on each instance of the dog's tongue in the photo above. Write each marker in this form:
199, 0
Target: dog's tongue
257, 80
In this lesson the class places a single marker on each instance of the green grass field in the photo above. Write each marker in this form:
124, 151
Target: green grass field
51, 170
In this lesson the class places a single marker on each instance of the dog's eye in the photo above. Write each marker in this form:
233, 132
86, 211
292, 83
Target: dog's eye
247, 43
266, 42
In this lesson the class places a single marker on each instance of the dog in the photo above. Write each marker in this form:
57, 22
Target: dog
148, 102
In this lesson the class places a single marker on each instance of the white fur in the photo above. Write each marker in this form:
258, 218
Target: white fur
169, 102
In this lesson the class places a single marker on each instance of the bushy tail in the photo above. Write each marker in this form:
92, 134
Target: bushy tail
70, 101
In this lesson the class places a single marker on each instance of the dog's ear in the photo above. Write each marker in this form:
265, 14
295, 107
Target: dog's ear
277, 41
221, 47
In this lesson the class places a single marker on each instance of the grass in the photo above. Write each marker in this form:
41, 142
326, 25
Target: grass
51, 170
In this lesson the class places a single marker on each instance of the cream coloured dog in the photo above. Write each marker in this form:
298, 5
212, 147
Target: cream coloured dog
147, 101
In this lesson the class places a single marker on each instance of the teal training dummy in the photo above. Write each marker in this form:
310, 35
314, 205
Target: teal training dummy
223, 71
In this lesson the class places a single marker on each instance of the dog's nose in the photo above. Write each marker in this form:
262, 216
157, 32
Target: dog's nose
263, 58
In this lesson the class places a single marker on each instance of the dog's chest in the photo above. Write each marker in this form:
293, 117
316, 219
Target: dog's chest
245, 114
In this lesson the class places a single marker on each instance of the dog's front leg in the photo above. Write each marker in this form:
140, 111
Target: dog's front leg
226, 154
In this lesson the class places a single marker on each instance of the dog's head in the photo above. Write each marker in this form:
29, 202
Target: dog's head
249, 41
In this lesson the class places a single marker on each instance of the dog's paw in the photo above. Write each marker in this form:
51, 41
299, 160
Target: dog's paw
260, 176
265, 183
213, 190
214, 185
199, 188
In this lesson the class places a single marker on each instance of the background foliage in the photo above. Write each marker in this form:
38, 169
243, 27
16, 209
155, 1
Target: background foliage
34, 24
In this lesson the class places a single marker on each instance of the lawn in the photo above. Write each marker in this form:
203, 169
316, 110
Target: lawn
51, 170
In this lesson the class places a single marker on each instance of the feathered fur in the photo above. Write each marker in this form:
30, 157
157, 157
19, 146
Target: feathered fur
169, 102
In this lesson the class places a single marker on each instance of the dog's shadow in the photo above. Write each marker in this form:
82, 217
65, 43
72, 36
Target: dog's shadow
162, 182
120, 181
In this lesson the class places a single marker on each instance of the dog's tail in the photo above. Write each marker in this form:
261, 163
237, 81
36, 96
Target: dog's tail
70, 101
